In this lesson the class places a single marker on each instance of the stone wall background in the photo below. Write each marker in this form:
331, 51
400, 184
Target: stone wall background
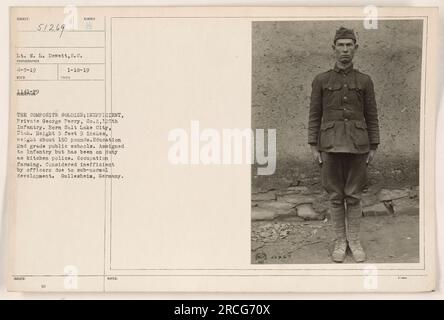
286, 57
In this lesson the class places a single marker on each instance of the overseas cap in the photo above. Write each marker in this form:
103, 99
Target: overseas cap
344, 33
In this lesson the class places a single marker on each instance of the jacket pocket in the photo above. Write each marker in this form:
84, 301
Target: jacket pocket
327, 135
359, 134
356, 87
357, 90
330, 87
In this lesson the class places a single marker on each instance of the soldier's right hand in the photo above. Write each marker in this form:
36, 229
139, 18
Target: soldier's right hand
316, 154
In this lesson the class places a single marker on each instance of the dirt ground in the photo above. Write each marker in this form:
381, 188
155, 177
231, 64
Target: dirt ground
386, 239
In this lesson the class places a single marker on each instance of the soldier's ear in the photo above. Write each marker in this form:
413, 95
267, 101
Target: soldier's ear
356, 46
333, 46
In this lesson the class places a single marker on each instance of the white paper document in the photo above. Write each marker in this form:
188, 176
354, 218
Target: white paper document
168, 149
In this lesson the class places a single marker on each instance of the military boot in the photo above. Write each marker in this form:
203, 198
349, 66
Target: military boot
354, 214
337, 214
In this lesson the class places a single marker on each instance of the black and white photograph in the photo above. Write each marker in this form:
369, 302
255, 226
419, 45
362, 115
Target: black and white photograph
344, 97
222, 150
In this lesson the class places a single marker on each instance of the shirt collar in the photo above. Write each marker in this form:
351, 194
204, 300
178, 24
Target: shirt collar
346, 70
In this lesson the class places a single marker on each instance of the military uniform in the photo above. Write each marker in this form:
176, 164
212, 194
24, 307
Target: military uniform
343, 114
343, 124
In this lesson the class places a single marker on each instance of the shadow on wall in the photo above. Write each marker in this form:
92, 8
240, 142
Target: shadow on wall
287, 55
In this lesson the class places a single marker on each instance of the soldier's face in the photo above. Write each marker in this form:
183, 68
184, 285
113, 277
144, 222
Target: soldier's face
344, 50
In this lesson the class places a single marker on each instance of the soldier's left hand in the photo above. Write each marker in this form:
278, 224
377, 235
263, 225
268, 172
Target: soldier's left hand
371, 155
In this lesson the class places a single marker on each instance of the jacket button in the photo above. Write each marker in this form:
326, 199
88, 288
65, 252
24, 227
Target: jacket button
345, 119
345, 85
345, 98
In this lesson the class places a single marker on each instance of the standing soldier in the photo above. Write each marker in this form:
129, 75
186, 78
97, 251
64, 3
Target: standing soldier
343, 132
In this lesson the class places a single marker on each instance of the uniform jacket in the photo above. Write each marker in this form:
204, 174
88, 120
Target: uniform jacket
343, 115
